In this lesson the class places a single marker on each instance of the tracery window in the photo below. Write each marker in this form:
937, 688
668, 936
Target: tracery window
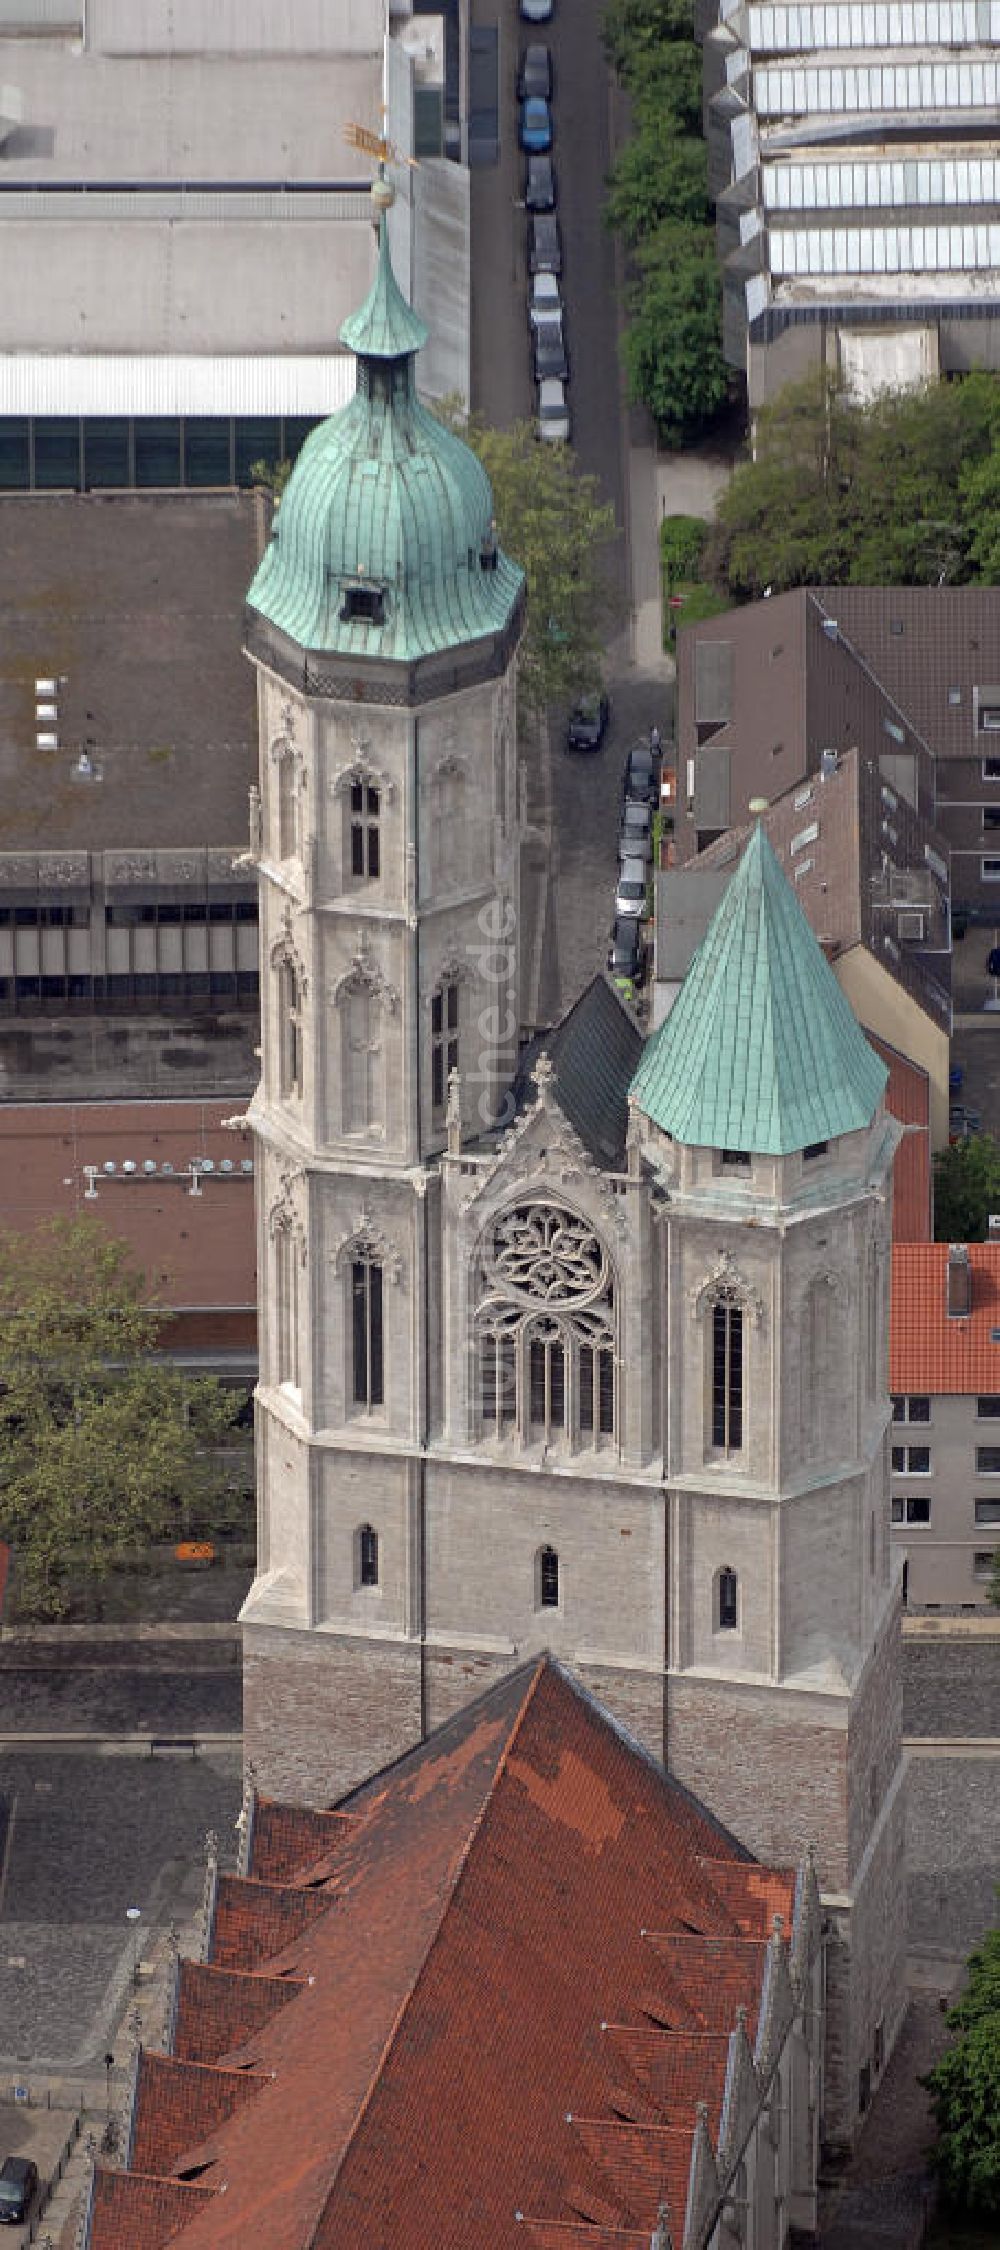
366, 840
362, 1073
286, 1303
727, 1376
444, 1042
288, 804
545, 1330
289, 1028
367, 1342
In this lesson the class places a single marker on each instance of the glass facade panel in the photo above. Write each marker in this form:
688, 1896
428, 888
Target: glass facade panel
208, 451
259, 440
57, 455
15, 455
106, 454
158, 451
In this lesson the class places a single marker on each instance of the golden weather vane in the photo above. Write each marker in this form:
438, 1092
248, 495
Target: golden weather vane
377, 144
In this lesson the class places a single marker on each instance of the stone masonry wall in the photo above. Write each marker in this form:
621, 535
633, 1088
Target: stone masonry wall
320, 1714
773, 1767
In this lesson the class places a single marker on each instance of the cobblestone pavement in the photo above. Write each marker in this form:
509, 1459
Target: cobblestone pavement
881, 2199
109, 1699
88, 1836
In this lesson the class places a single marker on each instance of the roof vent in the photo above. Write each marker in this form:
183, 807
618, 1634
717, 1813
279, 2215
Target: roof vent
959, 1282
828, 763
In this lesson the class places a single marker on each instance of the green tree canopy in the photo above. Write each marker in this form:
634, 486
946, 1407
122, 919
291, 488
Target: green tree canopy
673, 354
895, 492
653, 180
966, 1189
635, 30
965, 2088
102, 1447
552, 521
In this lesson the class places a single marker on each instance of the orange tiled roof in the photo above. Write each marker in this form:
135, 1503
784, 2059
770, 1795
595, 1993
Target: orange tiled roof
132, 2213
218, 2009
178, 2104
927, 1350
445, 2063
287, 1838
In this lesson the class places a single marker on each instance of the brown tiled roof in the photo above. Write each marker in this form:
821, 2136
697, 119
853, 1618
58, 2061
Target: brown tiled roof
289, 1838
179, 2104
254, 1922
218, 2010
444, 2062
950, 638
132, 2213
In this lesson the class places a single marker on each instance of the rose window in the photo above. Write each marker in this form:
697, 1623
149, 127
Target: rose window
548, 1255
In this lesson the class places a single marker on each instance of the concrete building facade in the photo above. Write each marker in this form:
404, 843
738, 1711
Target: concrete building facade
945, 1375
549, 1356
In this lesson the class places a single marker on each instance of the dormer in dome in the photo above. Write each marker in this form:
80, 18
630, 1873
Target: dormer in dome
384, 548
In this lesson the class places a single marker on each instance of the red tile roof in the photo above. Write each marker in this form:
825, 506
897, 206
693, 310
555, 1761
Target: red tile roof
908, 1098
288, 1838
928, 1351
180, 2104
254, 1921
485, 1921
219, 2009
133, 2213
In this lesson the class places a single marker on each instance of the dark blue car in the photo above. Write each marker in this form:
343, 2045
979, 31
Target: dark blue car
535, 129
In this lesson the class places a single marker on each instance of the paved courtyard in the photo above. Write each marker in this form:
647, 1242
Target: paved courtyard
84, 1837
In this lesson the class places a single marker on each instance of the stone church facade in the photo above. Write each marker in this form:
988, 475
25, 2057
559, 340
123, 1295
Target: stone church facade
583, 1348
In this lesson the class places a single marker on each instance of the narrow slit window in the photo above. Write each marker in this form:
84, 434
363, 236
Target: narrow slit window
727, 1378
548, 1578
366, 847
444, 1042
368, 1555
727, 1611
366, 1325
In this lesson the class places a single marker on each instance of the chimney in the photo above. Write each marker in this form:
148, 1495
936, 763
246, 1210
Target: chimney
959, 1282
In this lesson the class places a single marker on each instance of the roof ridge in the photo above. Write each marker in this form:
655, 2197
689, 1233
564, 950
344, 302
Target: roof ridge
448, 1897
184, 2062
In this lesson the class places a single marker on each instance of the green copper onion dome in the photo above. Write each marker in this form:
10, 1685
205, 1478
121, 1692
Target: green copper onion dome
384, 543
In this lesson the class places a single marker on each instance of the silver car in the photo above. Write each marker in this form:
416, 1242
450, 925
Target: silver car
635, 831
630, 896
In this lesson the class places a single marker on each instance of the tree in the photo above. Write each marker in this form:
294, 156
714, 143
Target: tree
966, 1189
102, 1447
550, 520
965, 2087
673, 353
635, 30
656, 179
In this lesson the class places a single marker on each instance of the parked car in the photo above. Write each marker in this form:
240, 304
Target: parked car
535, 129
635, 831
993, 961
18, 2181
540, 184
641, 779
545, 252
548, 344
588, 723
628, 955
553, 412
535, 73
630, 895
544, 302
536, 11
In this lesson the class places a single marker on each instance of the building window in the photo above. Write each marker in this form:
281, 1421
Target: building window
989, 718
916, 1510
988, 1408
545, 1331
286, 1291
991, 818
363, 605
366, 847
988, 1460
727, 1378
367, 1556
548, 1579
991, 769
982, 1562
363, 1075
735, 1160
288, 806
815, 1148
990, 869
289, 1029
915, 1460
988, 1511
366, 1332
444, 1043
878, 2046
726, 1601
911, 1409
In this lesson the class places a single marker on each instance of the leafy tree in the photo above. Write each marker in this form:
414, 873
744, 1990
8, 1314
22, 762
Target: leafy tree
550, 519
667, 90
966, 1189
965, 2087
634, 30
102, 1447
673, 353
654, 180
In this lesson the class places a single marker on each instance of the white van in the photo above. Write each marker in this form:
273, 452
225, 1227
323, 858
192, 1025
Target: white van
553, 412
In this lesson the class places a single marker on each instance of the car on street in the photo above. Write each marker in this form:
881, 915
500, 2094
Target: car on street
535, 129
544, 301
993, 961
588, 723
545, 252
18, 2181
641, 779
540, 184
535, 73
630, 895
548, 346
627, 953
635, 831
536, 11
553, 412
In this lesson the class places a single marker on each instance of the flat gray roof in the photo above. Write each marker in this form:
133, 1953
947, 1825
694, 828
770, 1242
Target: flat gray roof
133, 604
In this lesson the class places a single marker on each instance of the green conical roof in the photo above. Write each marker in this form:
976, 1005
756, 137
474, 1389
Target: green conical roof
761, 1050
384, 499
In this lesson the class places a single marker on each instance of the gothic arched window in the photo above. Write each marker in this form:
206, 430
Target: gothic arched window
288, 803
288, 1258
727, 1376
546, 1578
445, 1009
367, 1570
365, 831
727, 1598
367, 1343
364, 1103
289, 1028
546, 1330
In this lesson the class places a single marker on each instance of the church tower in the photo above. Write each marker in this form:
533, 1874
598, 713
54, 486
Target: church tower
763, 1124
383, 623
